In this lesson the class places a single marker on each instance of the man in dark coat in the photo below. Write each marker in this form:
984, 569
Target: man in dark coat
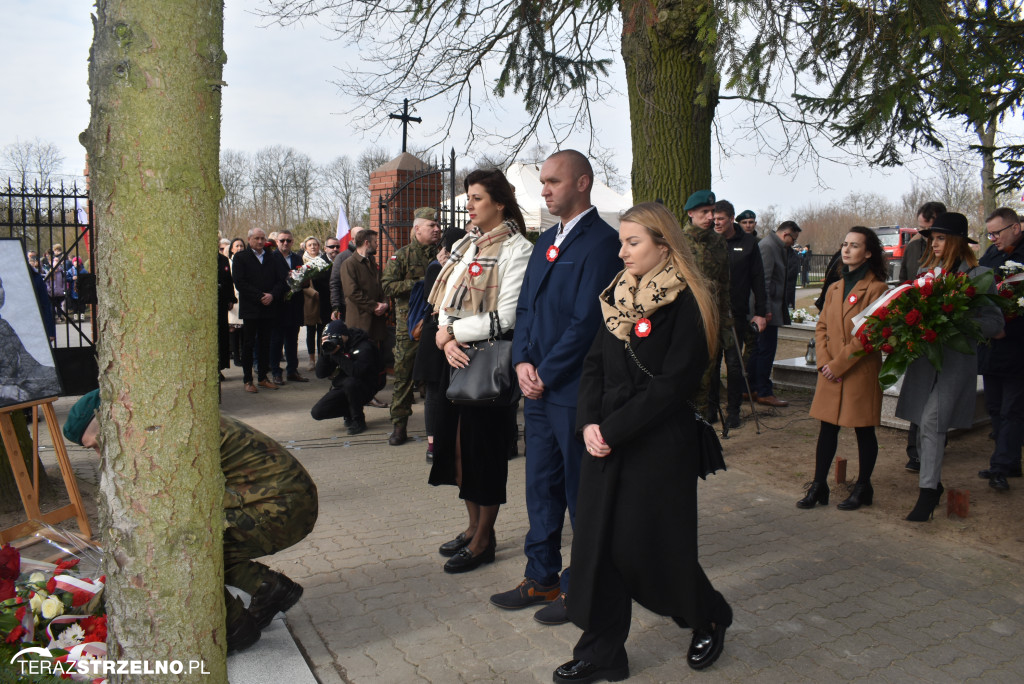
746, 277
353, 362
289, 319
557, 316
260, 280
914, 250
337, 290
776, 255
1002, 364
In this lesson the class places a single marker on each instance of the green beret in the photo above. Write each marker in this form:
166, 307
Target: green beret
746, 215
428, 213
701, 198
80, 416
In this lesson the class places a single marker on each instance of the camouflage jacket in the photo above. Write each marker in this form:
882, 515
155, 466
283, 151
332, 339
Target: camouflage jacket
712, 255
262, 479
403, 270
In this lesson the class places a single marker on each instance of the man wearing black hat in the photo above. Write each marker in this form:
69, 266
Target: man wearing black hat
713, 262
776, 253
351, 360
1001, 365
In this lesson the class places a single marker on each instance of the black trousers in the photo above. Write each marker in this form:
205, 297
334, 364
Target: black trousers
343, 400
256, 331
734, 367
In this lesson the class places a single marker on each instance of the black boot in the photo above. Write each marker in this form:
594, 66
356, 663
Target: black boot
927, 500
275, 595
817, 493
862, 494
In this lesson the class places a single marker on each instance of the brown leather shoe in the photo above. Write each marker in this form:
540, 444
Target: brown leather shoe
746, 397
266, 384
295, 377
398, 437
249, 387
772, 400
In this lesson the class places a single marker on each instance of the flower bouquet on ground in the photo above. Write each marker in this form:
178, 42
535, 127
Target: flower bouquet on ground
1010, 287
802, 316
298, 277
51, 607
920, 317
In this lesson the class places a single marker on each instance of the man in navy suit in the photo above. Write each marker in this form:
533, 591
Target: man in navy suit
260, 280
557, 319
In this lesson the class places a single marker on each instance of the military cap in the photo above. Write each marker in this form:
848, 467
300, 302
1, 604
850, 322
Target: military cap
428, 213
80, 415
701, 198
746, 214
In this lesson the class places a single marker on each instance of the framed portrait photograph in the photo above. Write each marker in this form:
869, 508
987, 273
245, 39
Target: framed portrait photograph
27, 370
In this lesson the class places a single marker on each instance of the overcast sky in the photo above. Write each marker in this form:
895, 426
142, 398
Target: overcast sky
280, 92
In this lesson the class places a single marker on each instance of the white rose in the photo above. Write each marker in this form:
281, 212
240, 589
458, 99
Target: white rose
37, 578
52, 607
35, 602
1020, 302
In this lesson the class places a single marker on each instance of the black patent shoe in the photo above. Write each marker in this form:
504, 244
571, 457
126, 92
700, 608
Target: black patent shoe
817, 493
924, 509
464, 560
450, 548
705, 647
273, 597
580, 671
860, 495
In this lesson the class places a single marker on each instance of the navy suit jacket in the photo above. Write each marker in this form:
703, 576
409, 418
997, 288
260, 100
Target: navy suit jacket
558, 313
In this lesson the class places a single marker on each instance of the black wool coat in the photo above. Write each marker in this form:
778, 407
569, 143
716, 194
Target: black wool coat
253, 278
637, 507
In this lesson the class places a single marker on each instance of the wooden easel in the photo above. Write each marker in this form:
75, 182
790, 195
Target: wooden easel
28, 487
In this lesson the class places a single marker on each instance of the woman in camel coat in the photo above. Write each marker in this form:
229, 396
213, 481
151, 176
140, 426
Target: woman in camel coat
848, 393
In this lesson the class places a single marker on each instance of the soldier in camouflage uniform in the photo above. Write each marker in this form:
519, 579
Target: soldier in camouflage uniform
712, 255
270, 504
403, 270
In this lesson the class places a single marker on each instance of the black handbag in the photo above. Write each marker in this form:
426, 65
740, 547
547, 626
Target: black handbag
709, 448
488, 380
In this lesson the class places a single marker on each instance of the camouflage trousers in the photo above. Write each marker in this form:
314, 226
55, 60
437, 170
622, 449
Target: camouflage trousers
405, 358
713, 376
261, 530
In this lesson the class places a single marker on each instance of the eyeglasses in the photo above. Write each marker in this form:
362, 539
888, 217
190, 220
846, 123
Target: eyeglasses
333, 246
994, 234
284, 240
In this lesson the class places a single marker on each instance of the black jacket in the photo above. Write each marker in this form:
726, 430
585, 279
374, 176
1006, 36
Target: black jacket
290, 311
337, 291
253, 278
1003, 356
358, 359
746, 275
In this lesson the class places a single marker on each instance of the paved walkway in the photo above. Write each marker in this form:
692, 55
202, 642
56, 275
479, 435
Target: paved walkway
818, 595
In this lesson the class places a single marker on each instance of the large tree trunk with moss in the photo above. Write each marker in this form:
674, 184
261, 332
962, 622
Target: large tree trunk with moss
153, 146
670, 115
987, 141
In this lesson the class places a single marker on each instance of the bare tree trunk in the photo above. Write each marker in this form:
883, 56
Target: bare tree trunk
153, 147
671, 133
987, 139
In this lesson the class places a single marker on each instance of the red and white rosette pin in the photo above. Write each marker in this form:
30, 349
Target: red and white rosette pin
475, 269
552, 253
852, 299
642, 327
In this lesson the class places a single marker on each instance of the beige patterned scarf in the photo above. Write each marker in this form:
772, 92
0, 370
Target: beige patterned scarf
627, 300
477, 292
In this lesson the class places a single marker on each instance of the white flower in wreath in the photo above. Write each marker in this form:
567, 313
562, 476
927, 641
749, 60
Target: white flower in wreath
37, 578
69, 638
1020, 302
52, 607
35, 602
1012, 266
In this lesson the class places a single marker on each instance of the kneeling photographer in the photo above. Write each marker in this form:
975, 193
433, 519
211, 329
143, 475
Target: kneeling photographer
354, 360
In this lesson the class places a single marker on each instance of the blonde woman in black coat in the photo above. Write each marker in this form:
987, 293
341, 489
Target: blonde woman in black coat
636, 520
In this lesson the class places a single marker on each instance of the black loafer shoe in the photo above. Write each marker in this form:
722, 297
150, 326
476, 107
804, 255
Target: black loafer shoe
450, 548
998, 482
581, 671
272, 598
464, 560
705, 647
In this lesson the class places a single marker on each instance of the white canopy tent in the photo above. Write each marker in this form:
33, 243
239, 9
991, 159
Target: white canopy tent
525, 178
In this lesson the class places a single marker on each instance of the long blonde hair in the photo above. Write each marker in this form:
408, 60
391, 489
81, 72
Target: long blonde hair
957, 249
664, 230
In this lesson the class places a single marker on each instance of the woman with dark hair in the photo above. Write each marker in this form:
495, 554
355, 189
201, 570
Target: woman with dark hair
234, 322
635, 536
937, 401
847, 393
472, 444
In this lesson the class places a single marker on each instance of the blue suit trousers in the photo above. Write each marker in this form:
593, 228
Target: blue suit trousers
553, 457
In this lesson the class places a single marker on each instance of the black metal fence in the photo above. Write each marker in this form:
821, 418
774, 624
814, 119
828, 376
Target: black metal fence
55, 225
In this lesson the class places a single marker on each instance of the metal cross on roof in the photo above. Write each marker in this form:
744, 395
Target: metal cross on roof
405, 119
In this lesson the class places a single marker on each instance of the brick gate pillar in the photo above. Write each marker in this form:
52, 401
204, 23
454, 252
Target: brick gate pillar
403, 184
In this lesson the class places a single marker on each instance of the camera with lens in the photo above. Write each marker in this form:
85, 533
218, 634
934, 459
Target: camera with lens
332, 344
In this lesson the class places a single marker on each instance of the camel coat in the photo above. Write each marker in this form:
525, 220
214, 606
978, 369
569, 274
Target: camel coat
857, 400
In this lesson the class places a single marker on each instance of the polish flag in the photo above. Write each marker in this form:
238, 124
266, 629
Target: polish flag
344, 232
